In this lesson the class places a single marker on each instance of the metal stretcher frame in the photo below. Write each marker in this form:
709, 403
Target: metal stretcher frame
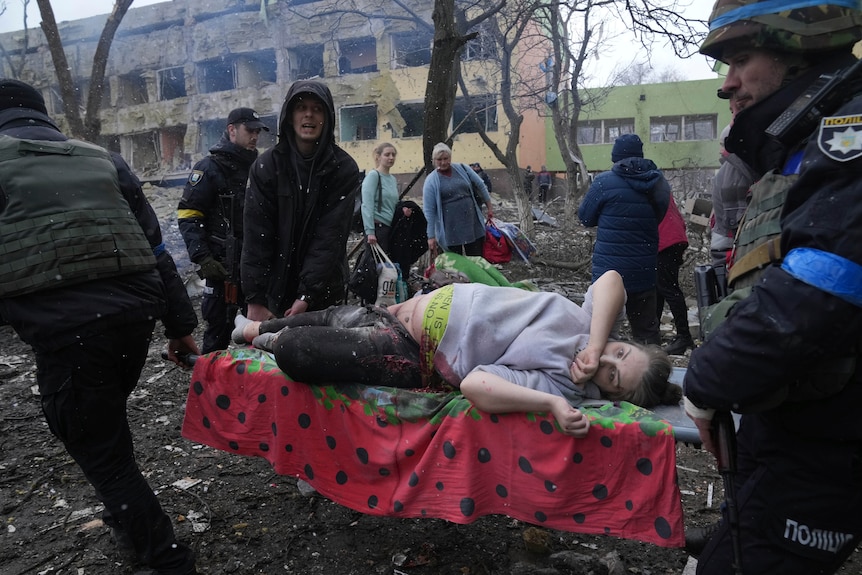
684, 429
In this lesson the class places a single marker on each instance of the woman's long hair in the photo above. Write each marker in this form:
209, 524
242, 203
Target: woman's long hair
654, 388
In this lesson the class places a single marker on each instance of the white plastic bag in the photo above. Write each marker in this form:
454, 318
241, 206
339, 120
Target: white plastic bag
387, 278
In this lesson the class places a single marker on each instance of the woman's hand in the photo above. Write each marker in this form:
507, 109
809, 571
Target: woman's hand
432, 246
407, 211
372, 239
586, 364
572, 421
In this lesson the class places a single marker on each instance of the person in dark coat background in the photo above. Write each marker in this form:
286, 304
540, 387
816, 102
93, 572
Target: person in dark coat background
477, 167
87, 301
627, 203
298, 211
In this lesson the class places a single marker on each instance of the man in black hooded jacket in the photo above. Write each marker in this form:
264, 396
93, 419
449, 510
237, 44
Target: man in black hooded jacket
210, 220
83, 276
298, 210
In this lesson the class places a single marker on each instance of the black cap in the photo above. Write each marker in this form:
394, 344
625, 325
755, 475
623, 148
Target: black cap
17, 94
246, 116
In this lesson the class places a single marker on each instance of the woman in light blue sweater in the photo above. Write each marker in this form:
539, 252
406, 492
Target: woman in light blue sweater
507, 349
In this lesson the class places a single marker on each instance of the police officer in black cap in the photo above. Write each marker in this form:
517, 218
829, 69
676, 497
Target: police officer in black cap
210, 221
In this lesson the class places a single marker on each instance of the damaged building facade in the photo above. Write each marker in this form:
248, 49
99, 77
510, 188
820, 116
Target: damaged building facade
177, 68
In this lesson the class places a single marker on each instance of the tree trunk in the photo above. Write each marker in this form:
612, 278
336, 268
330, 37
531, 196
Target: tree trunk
92, 123
91, 128
61, 68
442, 75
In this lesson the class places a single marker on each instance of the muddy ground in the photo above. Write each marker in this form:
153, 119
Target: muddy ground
242, 518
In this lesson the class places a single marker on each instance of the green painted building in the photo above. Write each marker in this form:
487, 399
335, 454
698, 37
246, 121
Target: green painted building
679, 123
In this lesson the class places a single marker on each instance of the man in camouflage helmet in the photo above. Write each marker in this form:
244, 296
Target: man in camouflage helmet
787, 356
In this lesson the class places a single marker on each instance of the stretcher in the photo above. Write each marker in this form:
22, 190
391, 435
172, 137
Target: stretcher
432, 454
684, 429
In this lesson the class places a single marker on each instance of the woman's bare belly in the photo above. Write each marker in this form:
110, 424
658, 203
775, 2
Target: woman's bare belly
410, 313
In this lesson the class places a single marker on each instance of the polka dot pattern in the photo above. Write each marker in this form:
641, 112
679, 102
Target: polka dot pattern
435, 455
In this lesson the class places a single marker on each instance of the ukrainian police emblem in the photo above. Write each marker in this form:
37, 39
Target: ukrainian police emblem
840, 137
196, 177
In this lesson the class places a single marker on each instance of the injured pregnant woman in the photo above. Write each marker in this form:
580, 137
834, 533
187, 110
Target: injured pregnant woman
506, 349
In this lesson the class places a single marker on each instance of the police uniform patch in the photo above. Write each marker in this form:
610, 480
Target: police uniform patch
196, 177
840, 137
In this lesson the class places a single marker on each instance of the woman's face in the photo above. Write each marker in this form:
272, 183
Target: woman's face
387, 158
443, 162
621, 369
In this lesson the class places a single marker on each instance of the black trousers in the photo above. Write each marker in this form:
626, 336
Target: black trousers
218, 316
474, 248
799, 502
84, 388
640, 310
346, 344
667, 287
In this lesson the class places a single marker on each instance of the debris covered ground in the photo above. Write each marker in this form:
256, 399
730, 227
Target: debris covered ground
242, 518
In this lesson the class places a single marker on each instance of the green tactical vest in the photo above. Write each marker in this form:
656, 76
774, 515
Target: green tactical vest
63, 219
759, 229
760, 224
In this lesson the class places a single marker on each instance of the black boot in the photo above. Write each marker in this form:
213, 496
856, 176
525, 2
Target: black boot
679, 344
696, 538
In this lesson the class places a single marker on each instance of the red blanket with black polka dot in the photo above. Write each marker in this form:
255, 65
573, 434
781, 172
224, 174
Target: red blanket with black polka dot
403, 453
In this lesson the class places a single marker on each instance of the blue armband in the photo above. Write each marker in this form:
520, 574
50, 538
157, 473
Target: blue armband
827, 272
793, 164
159, 249
755, 9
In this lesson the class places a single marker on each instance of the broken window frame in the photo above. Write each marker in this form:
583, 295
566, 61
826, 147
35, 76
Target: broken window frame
700, 127
305, 62
173, 87
357, 123
485, 110
482, 47
604, 131
216, 75
132, 89
413, 114
683, 128
353, 51
410, 49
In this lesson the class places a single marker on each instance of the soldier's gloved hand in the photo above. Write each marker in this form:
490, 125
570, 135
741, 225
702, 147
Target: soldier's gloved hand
212, 270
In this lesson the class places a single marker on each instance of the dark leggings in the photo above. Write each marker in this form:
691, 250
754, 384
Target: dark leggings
346, 344
668, 290
474, 248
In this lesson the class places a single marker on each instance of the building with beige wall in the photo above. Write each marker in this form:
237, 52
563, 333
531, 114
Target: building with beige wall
176, 69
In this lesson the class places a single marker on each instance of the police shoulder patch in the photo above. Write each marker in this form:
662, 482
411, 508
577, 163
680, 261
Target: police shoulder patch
840, 137
196, 177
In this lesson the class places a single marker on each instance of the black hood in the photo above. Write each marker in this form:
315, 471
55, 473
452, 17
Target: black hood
27, 123
286, 139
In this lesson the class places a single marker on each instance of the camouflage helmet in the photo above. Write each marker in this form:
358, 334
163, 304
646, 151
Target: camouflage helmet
783, 25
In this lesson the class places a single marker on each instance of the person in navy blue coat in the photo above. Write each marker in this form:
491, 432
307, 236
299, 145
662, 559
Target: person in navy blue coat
627, 203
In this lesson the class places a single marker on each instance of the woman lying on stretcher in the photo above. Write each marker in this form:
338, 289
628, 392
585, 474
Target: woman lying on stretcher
507, 349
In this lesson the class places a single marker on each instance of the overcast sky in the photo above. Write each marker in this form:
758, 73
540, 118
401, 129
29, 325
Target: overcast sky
695, 68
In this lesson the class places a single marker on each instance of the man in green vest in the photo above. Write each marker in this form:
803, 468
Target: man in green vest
83, 276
